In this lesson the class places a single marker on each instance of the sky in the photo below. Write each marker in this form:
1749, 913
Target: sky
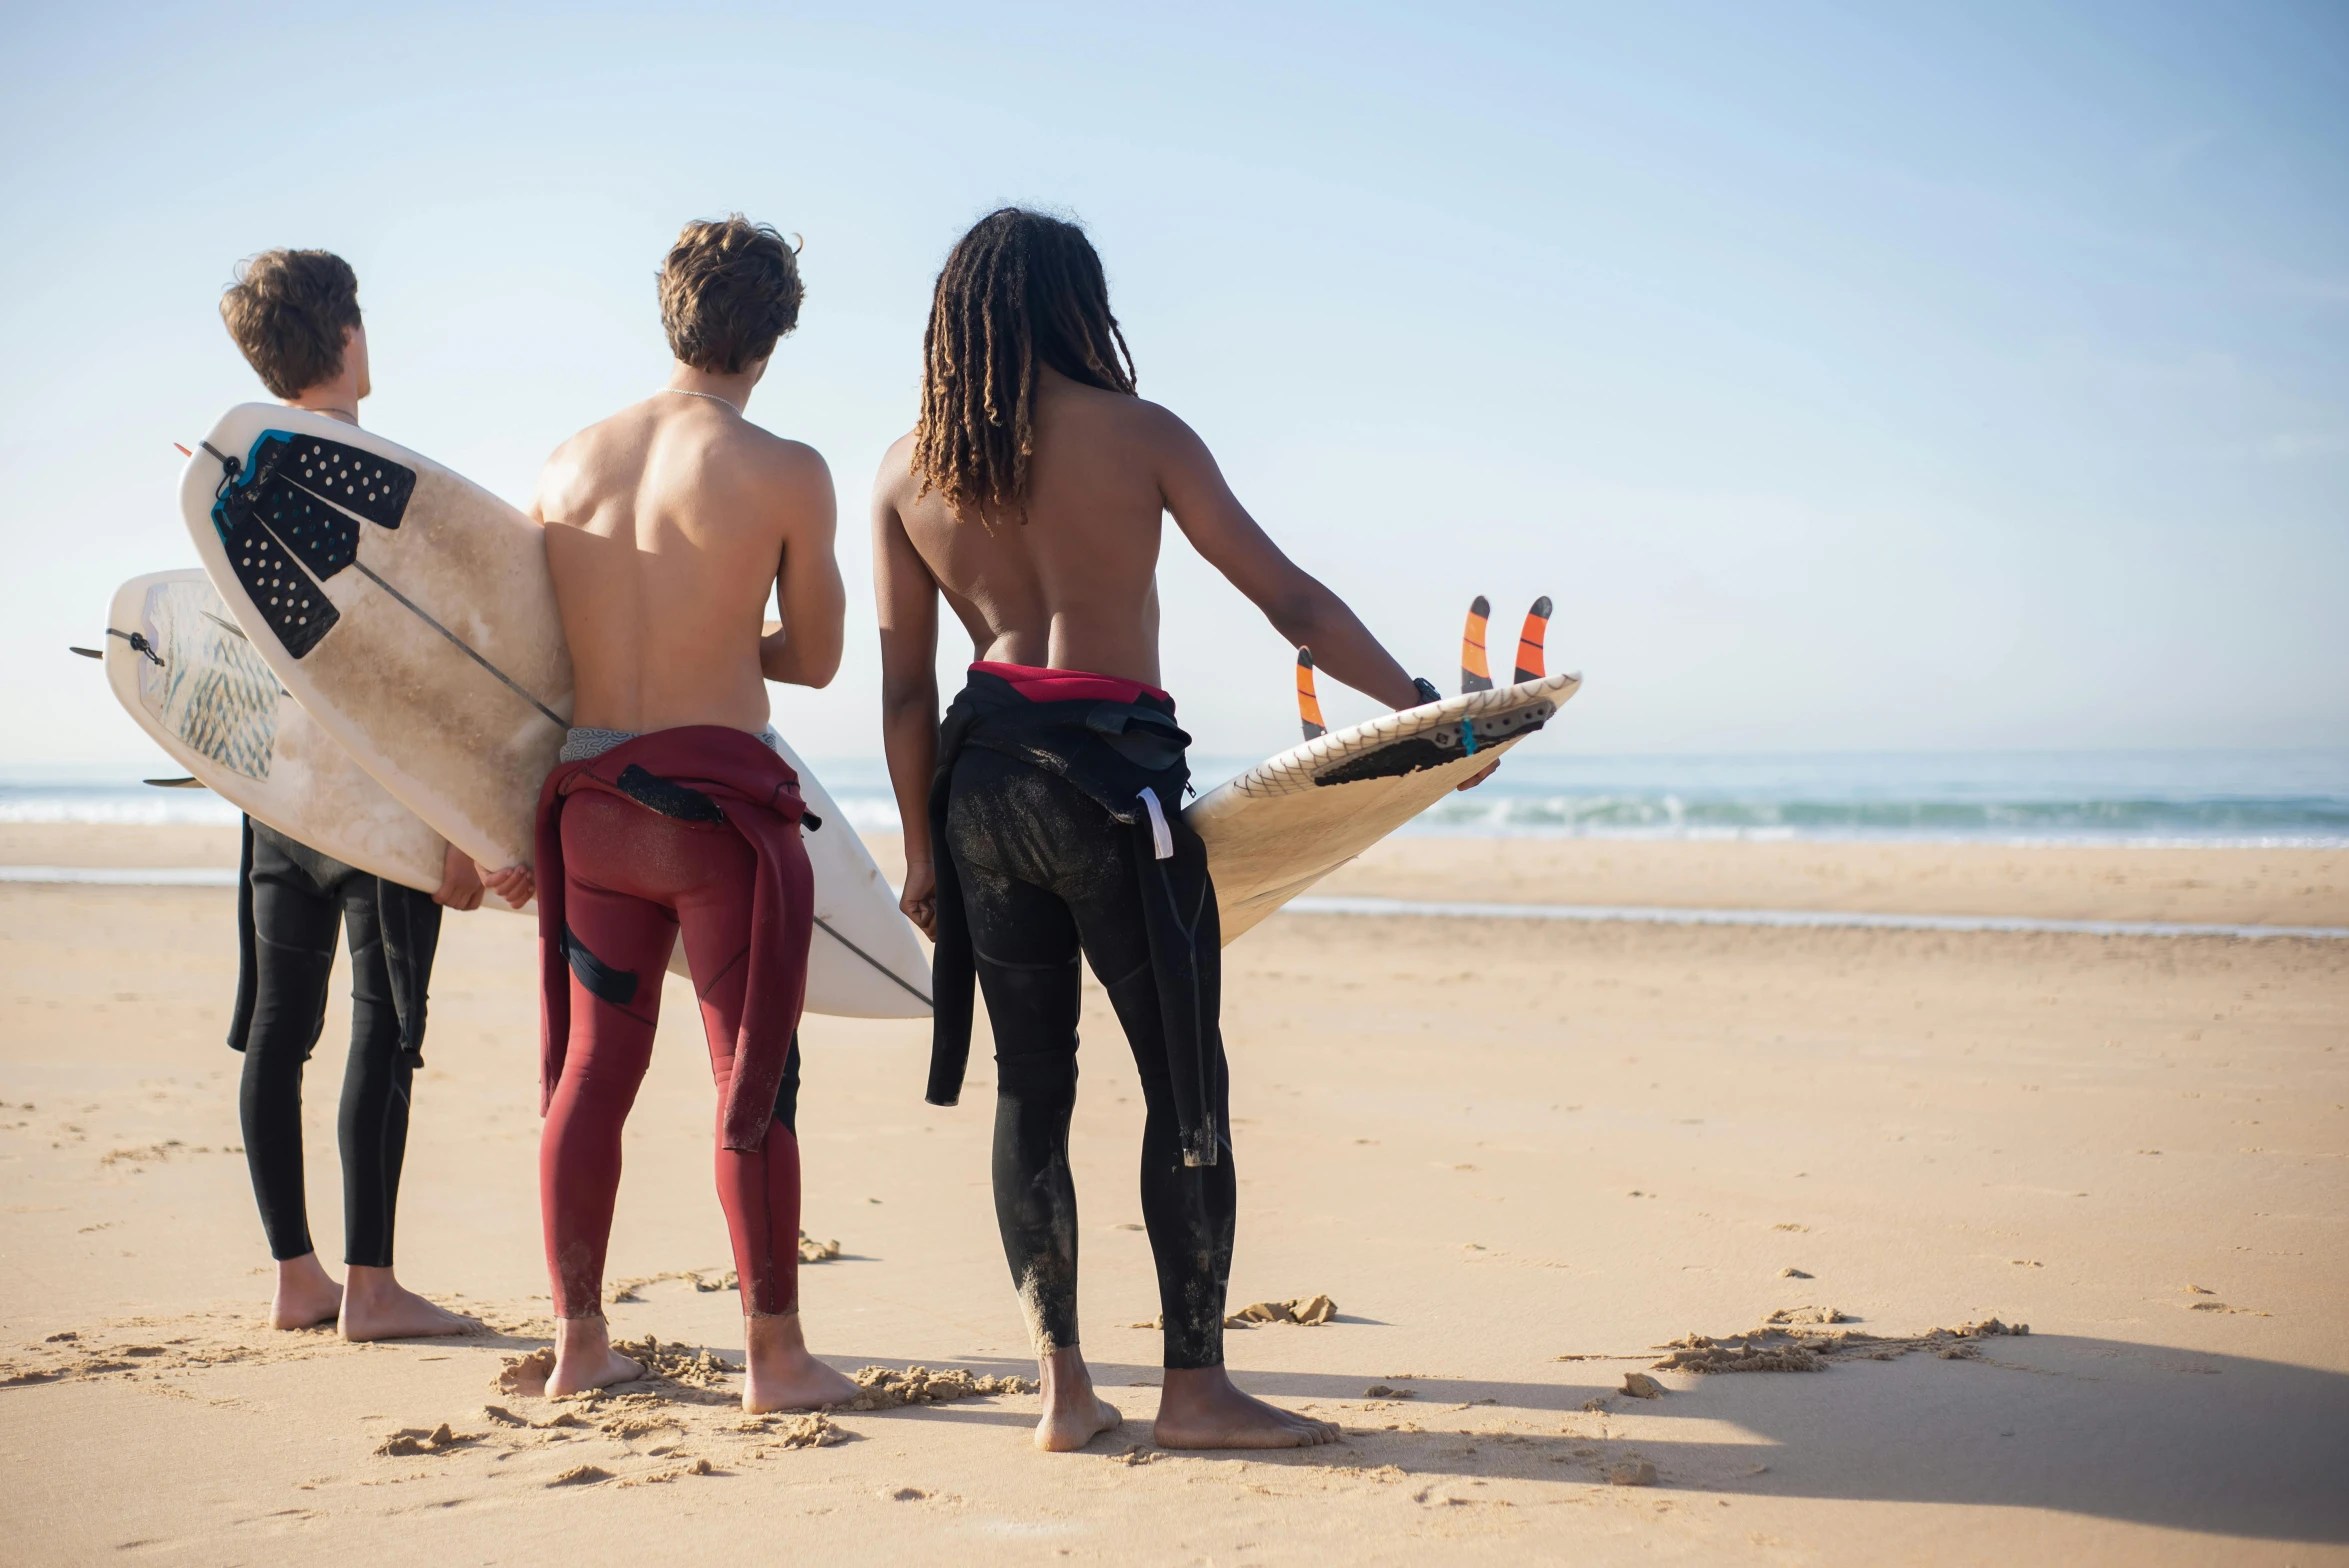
1853, 378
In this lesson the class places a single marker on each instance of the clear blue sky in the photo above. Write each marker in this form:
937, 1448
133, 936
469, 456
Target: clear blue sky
1853, 377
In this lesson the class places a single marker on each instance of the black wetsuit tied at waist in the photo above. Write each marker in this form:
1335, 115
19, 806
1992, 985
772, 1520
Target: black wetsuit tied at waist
1129, 759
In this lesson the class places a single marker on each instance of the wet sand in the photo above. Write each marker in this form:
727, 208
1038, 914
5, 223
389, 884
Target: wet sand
1518, 1157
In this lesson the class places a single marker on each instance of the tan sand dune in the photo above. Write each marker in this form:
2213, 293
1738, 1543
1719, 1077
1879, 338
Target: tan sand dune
1526, 1158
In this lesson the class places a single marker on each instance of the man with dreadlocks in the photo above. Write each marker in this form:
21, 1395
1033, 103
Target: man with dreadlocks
1044, 816
670, 817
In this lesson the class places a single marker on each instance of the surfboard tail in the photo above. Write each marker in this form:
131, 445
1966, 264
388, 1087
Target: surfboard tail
1308, 703
1475, 673
1529, 641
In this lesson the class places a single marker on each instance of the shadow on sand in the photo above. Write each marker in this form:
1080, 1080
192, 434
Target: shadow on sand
2147, 1434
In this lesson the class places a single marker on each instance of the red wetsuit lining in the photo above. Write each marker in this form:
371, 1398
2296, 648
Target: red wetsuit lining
1043, 685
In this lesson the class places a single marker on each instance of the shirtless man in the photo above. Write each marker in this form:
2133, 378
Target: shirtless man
671, 816
1045, 816
295, 316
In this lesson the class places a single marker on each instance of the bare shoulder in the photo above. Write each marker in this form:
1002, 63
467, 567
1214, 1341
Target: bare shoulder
777, 459
1162, 432
567, 482
895, 484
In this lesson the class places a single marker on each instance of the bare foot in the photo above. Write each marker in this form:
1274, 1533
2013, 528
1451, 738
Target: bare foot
1073, 1414
1201, 1409
584, 1358
377, 1306
779, 1374
306, 1296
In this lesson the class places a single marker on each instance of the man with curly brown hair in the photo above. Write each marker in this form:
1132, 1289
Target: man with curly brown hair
669, 525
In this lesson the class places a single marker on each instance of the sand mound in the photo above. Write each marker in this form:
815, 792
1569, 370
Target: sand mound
676, 1364
416, 1440
809, 1431
1782, 1344
526, 1375
880, 1388
1305, 1311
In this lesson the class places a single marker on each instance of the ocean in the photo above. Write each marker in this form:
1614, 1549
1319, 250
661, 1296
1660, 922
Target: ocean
2279, 799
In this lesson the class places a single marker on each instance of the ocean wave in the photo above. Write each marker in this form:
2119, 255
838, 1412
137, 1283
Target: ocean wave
2266, 800
115, 805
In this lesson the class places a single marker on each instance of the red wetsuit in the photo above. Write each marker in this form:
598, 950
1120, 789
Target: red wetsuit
691, 831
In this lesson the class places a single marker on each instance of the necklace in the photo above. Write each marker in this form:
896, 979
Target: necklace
712, 396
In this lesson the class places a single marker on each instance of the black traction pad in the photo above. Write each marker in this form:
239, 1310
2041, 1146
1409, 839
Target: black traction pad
1435, 749
289, 599
290, 520
360, 483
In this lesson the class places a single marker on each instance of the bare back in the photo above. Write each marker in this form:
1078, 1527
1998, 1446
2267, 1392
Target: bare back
1074, 585
669, 525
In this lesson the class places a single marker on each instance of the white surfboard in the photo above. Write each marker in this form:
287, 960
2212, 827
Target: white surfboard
180, 667
1291, 820
411, 612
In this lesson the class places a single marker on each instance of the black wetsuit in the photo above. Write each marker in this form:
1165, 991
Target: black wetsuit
1046, 849
291, 900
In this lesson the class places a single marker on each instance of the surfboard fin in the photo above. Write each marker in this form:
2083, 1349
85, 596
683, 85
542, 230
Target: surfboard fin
1529, 641
87, 653
172, 783
1308, 704
1475, 674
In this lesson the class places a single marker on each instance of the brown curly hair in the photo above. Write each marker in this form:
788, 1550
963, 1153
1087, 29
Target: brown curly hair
729, 290
288, 311
1019, 288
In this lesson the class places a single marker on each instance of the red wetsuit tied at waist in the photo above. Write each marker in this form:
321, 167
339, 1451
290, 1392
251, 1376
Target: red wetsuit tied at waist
686, 834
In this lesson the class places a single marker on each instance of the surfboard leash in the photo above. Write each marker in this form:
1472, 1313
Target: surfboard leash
902, 983
139, 645
464, 647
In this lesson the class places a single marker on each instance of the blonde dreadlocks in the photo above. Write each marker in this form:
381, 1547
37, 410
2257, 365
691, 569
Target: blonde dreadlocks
1020, 288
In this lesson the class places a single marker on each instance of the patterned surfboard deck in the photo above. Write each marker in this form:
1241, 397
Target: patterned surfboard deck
196, 685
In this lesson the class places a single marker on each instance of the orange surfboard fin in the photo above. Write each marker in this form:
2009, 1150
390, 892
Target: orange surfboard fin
1529, 641
1475, 675
1308, 704
183, 451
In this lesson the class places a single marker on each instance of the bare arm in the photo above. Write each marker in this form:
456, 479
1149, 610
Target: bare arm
1299, 607
908, 602
805, 649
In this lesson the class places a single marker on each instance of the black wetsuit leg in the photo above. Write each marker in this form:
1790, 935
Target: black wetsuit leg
1045, 871
299, 898
373, 1124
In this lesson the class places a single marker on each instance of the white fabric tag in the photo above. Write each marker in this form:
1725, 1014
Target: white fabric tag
1161, 838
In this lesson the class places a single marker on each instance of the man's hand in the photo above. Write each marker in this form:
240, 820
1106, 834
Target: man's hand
460, 880
920, 898
515, 884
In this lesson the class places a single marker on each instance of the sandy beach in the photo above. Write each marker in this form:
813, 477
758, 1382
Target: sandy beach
1521, 1157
